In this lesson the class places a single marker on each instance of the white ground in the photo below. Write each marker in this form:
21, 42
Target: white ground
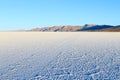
59, 56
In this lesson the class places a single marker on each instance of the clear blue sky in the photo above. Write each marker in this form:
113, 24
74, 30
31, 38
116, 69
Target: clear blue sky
26, 14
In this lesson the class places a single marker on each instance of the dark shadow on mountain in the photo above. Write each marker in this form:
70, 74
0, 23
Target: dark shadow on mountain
96, 27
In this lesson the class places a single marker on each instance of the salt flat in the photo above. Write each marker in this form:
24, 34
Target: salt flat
59, 56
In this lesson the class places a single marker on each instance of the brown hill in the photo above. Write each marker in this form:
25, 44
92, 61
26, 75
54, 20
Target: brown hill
87, 27
58, 29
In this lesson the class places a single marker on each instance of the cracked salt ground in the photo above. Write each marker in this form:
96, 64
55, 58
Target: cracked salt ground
67, 68
60, 56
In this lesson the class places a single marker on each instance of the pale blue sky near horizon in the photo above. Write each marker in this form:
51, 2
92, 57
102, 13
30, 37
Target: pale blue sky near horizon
27, 14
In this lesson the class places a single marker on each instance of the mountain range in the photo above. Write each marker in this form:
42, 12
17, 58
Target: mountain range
86, 27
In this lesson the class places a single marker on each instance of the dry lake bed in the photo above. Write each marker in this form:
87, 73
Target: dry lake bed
59, 56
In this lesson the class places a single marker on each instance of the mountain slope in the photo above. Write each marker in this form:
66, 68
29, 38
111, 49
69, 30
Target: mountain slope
87, 27
58, 29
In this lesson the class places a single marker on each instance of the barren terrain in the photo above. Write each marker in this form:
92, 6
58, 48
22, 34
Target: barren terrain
59, 56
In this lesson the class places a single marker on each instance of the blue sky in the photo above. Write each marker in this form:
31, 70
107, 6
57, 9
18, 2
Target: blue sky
27, 14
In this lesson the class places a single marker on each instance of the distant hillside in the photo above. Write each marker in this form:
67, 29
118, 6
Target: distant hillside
113, 29
58, 29
87, 27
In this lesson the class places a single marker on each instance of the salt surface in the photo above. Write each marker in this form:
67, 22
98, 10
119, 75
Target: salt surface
59, 56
